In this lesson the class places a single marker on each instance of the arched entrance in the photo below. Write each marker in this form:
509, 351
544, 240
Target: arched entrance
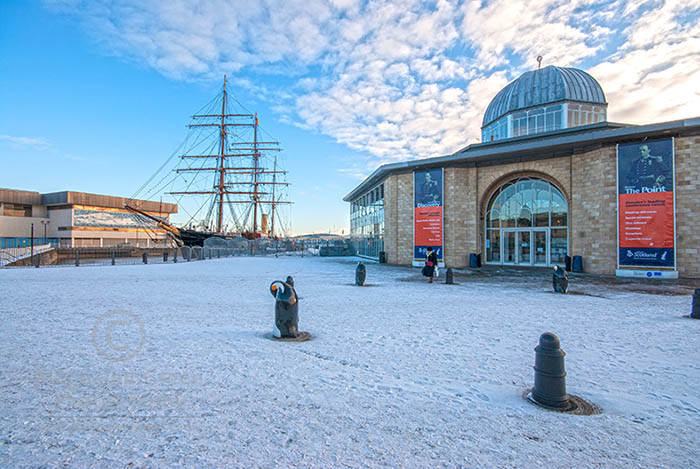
527, 224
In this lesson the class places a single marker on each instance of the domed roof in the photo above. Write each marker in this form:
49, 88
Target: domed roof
542, 86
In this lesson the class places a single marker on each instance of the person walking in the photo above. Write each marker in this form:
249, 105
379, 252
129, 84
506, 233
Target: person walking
431, 262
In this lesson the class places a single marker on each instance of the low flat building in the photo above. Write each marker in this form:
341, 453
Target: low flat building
77, 219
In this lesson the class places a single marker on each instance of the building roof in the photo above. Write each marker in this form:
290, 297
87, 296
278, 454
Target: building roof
107, 201
81, 198
534, 147
542, 86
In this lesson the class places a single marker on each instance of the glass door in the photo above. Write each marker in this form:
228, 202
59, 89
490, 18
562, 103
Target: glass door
539, 241
524, 247
508, 247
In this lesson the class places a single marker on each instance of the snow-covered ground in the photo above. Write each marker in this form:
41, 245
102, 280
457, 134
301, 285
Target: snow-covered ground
171, 365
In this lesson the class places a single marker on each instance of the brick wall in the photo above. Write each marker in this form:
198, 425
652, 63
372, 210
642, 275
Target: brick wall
688, 206
588, 180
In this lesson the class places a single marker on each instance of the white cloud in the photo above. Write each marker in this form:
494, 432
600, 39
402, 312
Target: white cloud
410, 79
37, 143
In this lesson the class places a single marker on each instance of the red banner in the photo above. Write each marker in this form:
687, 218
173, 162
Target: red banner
428, 225
646, 220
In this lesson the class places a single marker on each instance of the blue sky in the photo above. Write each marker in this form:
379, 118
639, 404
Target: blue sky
95, 95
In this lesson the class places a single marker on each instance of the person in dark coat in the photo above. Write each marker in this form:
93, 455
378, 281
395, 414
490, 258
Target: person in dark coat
430, 264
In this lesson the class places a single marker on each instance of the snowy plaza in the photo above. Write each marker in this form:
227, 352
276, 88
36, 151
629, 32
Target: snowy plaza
173, 365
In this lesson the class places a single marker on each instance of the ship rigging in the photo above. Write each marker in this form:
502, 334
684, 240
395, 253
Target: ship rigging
225, 177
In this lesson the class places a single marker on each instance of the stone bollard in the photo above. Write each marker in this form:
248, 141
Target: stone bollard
695, 312
449, 276
165, 256
550, 373
114, 257
560, 280
145, 258
360, 274
286, 310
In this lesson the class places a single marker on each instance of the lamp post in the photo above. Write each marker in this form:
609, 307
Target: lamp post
45, 223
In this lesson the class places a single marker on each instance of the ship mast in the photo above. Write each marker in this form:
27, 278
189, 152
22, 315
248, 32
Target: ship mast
219, 225
237, 158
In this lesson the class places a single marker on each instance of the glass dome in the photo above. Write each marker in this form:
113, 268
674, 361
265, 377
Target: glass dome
543, 100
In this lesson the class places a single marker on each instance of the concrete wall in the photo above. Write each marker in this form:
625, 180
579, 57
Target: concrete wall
21, 227
587, 179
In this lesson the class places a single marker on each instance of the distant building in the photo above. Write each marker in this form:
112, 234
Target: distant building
76, 219
551, 180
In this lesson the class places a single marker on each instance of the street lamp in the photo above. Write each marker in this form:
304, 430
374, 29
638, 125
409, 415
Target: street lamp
45, 222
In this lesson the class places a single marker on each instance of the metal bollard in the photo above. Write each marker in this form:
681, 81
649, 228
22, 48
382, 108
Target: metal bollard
286, 310
37, 260
449, 277
189, 254
550, 373
77, 258
175, 257
560, 280
218, 253
145, 258
360, 274
114, 257
695, 313
165, 256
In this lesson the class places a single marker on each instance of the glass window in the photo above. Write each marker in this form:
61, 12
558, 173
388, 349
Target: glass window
524, 204
493, 246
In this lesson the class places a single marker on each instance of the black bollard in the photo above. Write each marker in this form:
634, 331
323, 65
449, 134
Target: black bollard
114, 257
449, 276
175, 256
550, 373
360, 274
286, 310
695, 312
189, 253
165, 256
145, 258
560, 280
77, 258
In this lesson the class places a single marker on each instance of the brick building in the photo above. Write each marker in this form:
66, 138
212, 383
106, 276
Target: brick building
551, 178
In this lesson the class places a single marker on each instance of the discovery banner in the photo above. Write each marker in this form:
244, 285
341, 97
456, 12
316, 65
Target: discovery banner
427, 212
646, 204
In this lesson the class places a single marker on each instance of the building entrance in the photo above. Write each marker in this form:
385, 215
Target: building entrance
526, 224
525, 247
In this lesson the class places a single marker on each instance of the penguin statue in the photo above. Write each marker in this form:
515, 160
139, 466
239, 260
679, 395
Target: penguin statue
360, 274
286, 309
560, 280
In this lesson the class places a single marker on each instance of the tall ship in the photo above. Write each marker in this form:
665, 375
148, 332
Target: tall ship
226, 177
